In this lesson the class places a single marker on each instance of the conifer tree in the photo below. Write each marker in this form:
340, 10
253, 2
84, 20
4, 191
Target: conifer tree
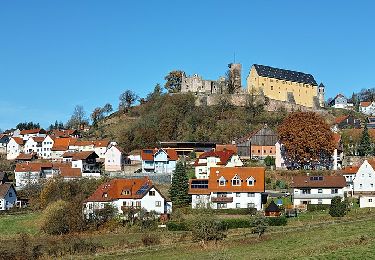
365, 144
180, 186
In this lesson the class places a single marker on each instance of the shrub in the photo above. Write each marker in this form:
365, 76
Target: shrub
207, 227
243, 211
150, 239
338, 208
54, 220
278, 221
259, 225
175, 226
317, 207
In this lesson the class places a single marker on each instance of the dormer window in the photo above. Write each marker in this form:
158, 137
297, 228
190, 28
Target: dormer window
250, 181
222, 181
105, 195
236, 181
125, 192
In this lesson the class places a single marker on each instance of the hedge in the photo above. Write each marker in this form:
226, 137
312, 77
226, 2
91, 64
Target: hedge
278, 221
317, 207
177, 226
242, 211
232, 223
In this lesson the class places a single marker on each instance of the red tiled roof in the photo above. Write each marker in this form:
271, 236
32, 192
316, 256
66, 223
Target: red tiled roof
365, 103
78, 155
32, 167
83, 143
340, 119
33, 131
223, 147
62, 144
38, 139
223, 155
23, 156
18, 140
68, 172
349, 170
101, 143
148, 154
258, 173
117, 188
325, 182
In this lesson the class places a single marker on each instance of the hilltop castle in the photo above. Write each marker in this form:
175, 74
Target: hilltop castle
292, 87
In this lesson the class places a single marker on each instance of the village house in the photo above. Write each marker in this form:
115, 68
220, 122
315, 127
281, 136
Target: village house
14, 147
367, 108
100, 147
344, 122
349, 174
316, 189
127, 193
60, 146
34, 145
340, 101
38, 132
4, 139
370, 122
226, 158
229, 187
85, 161
64, 133
23, 157
159, 160
258, 144
364, 184
115, 159
8, 196
30, 173
47, 146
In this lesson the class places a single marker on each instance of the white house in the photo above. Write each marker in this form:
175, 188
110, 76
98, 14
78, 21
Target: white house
85, 161
349, 174
316, 189
38, 132
60, 146
340, 101
14, 147
115, 159
226, 158
8, 196
34, 145
47, 147
367, 108
159, 160
30, 173
82, 146
100, 147
364, 184
128, 193
229, 187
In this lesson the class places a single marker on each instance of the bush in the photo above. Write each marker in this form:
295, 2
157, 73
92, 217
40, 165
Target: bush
175, 226
259, 225
278, 221
338, 208
244, 211
317, 207
54, 220
207, 227
150, 239
232, 223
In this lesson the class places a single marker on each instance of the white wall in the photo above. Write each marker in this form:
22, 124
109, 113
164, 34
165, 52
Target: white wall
240, 200
24, 178
13, 149
367, 202
364, 180
47, 147
9, 200
113, 159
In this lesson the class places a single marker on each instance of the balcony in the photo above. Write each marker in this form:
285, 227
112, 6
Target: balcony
222, 199
316, 196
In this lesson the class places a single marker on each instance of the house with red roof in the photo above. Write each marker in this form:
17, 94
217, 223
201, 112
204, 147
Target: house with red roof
316, 189
34, 145
60, 146
85, 161
115, 159
15, 146
30, 172
229, 187
367, 108
161, 160
364, 184
37, 132
225, 158
344, 122
127, 193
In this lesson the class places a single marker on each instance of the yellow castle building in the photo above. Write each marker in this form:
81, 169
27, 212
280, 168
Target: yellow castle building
286, 85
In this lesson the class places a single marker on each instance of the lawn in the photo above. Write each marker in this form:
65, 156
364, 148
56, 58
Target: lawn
11, 225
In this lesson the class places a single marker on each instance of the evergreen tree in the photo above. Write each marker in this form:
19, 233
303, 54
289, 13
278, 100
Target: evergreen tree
180, 186
365, 144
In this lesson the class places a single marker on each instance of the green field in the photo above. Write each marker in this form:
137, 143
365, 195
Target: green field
11, 225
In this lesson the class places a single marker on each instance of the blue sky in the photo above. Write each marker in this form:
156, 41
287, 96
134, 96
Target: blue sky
58, 54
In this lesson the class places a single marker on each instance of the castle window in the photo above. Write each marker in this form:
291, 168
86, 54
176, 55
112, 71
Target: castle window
271, 87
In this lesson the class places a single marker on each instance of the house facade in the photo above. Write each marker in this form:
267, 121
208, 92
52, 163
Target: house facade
115, 159
14, 147
85, 161
344, 122
128, 193
4, 140
8, 196
258, 144
34, 145
316, 189
38, 132
30, 173
205, 161
364, 184
340, 101
159, 160
367, 108
229, 187
47, 147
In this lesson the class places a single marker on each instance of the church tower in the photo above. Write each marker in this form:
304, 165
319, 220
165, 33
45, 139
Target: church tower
321, 89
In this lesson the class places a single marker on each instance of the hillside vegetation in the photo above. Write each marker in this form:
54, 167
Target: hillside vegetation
166, 117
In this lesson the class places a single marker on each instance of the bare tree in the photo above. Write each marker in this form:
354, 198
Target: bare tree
78, 118
127, 99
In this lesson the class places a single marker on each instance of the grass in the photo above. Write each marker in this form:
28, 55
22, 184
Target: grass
11, 225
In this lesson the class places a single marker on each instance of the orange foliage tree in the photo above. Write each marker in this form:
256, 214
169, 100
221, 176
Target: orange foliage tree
307, 141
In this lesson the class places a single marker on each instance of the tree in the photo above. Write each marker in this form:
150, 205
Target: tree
27, 125
96, 115
158, 91
338, 207
78, 118
207, 227
127, 99
259, 225
174, 81
365, 145
107, 108
254, 103
307, 140
54, 219
180, 186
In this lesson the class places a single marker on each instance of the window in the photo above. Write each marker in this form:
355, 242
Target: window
258, 151
334, 191
320, 201
222, 181
236, 181
360, 186
250, 181
151, 193
250, 205
369, 200
125, 192
138, 204
306, 191
238, 205
221, 205
250, 194
320, 190
105, 195
238, 194
157, 203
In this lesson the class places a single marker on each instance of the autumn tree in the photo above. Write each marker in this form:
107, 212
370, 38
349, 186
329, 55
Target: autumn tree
127, 99
365, 145
174, 81
307, 140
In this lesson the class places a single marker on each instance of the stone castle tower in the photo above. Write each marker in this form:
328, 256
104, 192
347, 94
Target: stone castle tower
235, 75
321, 90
